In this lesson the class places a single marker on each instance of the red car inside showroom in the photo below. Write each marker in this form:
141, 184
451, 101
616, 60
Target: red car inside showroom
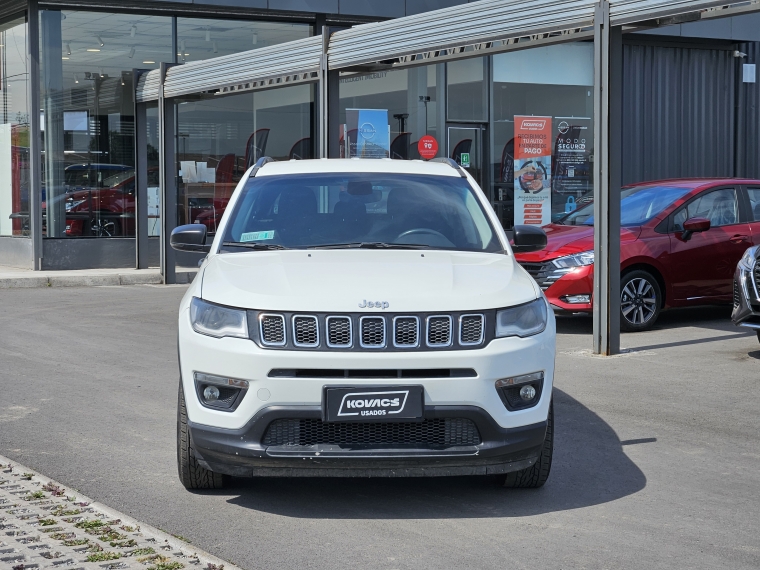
680, 241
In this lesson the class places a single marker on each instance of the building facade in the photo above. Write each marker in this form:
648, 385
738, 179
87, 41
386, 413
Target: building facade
74, 142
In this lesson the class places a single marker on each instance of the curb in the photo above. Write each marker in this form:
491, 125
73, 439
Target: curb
188, 550
103, 280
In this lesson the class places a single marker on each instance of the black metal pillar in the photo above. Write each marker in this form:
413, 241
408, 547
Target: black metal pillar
141, 182
167, 166
608, 79
35, 144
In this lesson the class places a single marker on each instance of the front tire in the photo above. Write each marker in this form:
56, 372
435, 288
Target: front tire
191, 474
640, 301
536, 475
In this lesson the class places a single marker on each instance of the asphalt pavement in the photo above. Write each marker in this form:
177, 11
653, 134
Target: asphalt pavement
656, 462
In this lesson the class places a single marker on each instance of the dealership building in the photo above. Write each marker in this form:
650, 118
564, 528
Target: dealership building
121, 120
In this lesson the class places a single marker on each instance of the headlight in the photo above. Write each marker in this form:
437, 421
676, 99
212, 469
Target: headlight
217, 321
575, 260
523, 320
749, 259
73, 204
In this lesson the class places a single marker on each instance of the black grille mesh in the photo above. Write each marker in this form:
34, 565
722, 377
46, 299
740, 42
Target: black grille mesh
305, 331
439, 331
472, 329
736, 294
756, 273
373, 331
441, 432
339, 331
273, 329
405, 333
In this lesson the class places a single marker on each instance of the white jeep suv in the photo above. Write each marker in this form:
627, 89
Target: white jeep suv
363, 318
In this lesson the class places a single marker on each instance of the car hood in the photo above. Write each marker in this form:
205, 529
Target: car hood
340, 280
567, 240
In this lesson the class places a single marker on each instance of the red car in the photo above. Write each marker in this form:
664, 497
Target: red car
680, 241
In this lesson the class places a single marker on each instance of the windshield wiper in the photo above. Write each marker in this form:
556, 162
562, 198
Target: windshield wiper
258, 246
370, 245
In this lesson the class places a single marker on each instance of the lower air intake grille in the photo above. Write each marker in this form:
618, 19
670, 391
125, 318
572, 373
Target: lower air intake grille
757, 278
373, 331
272, 329
441, 432
736, 294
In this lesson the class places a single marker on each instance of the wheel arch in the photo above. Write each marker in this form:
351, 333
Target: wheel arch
656, 273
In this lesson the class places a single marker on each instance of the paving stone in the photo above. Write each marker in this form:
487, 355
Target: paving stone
46, 526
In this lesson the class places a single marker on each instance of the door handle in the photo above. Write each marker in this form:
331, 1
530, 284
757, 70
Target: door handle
738, 238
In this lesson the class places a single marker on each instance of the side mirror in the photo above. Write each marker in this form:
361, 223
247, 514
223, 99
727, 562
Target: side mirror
191, 237
694, 225
528, 238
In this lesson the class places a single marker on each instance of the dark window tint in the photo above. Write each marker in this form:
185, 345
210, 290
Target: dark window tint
754, 200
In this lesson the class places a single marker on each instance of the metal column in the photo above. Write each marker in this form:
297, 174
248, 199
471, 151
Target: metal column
167, 166
35, 154
141, 183
608, 61
323, 96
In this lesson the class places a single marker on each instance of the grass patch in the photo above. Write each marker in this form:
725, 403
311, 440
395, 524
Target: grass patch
61, 511
88, 524
142, 552
27, 476
182, 538
103, 556
167, 566
112, 535
46, 522
127, 528
63, 536
76, 542
34, 496
124, 543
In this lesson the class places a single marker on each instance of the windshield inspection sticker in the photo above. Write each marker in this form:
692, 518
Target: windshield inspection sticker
257, 236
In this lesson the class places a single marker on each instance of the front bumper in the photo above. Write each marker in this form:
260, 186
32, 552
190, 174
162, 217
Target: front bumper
577, 281
746, 312
241, 452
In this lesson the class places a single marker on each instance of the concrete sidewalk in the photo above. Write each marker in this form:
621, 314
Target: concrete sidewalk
11, 277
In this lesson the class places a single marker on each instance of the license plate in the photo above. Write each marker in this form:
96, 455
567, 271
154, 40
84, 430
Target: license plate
372, 404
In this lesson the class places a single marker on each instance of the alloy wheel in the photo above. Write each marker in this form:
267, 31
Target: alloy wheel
638, 301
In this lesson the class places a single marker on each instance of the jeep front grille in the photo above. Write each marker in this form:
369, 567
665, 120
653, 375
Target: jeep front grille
339, 332
430, 433
471, 329
272, 329
402, 332
406, 331
372, 332
305, 330
439, 330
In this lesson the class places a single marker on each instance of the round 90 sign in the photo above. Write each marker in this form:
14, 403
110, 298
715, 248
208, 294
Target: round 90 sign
427, 147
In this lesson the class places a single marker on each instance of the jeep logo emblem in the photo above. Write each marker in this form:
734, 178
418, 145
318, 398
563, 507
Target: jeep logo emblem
373, 304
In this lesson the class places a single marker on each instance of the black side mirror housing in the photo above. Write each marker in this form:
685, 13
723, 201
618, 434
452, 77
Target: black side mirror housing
528, 238
191, 237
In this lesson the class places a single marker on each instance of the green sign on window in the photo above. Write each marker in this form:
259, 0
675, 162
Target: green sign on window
464, 159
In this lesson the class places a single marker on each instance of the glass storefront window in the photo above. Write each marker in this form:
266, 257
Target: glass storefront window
466, 90
219, 138
87, 117
14, 130
201, 38
541, 132
401, 102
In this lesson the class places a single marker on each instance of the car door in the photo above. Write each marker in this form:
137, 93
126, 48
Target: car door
702, 267
753, 203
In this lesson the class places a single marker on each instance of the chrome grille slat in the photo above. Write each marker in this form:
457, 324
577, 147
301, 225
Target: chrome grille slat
305, 331
438, 330
372, 332
545, 274
339, 333
471, 329
272, 329
406, 331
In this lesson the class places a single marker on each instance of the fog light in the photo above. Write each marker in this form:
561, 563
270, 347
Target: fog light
211, 393
527, 393
577, 299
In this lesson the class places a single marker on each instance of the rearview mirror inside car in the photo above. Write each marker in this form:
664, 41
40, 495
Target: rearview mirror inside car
528, 238
191, 237
694, 225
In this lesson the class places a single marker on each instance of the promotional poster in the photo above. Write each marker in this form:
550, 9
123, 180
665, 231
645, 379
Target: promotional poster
368, 133
533, 169
571, 177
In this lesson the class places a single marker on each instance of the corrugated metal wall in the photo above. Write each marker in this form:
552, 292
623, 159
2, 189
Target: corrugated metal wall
678, 112
748, 118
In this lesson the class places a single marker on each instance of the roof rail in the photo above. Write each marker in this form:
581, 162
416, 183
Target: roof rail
259, 163
452, 163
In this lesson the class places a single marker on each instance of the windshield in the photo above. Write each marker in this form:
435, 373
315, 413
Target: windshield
359, 210
637, 205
